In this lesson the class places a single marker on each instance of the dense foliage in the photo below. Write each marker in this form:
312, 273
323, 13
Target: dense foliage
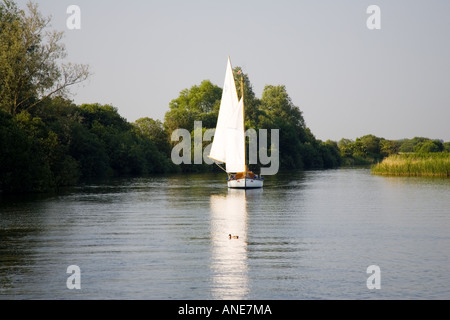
60, 143
370, 149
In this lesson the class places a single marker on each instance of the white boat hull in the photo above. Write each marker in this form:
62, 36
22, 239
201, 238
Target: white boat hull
245, 183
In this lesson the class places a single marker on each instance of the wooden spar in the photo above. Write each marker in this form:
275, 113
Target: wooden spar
243, 113
220, 166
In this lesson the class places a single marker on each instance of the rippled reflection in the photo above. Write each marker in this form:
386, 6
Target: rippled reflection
229, 256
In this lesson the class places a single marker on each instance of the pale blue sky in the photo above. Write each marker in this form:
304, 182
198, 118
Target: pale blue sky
348, 80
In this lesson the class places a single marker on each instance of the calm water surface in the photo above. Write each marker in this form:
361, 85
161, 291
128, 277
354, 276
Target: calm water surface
306, 235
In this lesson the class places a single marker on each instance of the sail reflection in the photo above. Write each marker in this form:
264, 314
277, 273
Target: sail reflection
229, 256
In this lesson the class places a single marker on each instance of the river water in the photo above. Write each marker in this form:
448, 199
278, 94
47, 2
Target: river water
306, 235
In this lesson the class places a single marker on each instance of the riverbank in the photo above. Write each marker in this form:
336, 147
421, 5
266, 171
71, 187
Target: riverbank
415, 164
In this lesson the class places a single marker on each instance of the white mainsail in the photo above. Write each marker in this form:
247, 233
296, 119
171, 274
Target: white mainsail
235, 147
229, 139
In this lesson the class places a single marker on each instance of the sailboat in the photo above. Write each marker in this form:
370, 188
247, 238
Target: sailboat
228, 146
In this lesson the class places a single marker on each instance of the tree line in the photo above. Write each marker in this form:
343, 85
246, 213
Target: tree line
48, 142
370, 149
60, 144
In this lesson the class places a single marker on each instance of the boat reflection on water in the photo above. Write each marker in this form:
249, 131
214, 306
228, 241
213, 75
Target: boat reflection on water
229, 256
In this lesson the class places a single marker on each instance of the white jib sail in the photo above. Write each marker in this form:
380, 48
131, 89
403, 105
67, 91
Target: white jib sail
228, 106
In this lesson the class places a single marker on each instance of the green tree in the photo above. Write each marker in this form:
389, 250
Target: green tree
41, 160
389, 147
14, 156
105, 115
276, 104
41, 152
408, 145
199, 103
31, 55
447, 146
298, 146
371, 145
346, 147
128, 150
253, 111
330, 154
429, 146
89, 151
154, 130
112, 130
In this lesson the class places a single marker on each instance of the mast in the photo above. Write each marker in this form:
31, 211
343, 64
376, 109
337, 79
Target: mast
243, 113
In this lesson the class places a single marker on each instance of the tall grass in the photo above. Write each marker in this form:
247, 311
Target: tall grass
415, 164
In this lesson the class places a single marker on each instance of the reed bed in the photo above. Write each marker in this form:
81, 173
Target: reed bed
415, 164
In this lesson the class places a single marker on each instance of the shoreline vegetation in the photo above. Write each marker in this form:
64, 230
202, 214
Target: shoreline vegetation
47, 142
415, 165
